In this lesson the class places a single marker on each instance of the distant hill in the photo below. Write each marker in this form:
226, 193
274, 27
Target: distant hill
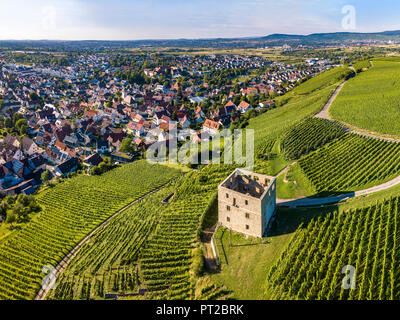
315, 39
336, 37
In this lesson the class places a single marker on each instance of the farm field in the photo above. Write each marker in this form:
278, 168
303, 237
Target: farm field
148, 246
307, 101
106, 264
70, 211
245, 264
308, 136
367, 238
370, 100
351, 163
325, 79
166, 261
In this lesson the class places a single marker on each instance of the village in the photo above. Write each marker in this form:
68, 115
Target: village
102, 108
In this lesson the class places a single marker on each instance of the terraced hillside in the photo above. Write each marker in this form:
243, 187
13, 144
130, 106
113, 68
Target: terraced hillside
367, 239
305, 101
148, 246
70, 211
105, 264
370, 101
166, 260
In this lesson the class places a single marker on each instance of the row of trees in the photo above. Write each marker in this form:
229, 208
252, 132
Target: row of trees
103, 167
15, 124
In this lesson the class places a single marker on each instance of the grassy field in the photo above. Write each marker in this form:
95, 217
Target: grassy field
370, 101
294, 184
325, 79
245, 264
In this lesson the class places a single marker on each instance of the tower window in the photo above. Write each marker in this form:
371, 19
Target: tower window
228, 219
228, 208
247, 227
246, 202
247, 216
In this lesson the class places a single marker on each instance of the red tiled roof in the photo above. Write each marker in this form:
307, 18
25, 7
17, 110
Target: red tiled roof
211, 124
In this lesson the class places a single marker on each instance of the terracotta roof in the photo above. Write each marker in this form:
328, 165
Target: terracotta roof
211, 124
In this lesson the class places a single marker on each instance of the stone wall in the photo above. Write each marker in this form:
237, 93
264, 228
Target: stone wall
244, 213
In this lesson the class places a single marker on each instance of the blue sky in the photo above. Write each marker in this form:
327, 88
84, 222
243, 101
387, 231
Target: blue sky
171, 19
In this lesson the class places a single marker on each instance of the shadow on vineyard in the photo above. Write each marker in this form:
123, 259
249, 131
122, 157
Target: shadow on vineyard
289, 220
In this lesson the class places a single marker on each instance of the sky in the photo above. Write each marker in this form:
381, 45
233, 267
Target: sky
174, 19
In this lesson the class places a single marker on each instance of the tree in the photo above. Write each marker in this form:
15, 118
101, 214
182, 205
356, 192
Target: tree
21, 123
16, 117
33, 96
126, 145
95, 170
23, 130
7, 122
45, 177
11, 218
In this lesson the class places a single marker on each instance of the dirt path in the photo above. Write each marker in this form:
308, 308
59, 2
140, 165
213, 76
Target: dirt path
324, 114
41, 295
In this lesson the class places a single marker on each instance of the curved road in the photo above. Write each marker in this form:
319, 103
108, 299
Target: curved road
305, 202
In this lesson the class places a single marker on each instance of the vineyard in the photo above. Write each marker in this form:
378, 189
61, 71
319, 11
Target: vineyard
274, 122
147, 246
308, 136
370, 101
368, 239
166, 260
350, 163
327, 78
106, 264
70, 210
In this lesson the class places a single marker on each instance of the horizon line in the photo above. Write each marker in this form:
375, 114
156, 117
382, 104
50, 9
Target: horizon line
203, 39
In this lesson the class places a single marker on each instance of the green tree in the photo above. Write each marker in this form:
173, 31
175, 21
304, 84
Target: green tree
20, 123
11, 218
126, 145
7, 122
33, 96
